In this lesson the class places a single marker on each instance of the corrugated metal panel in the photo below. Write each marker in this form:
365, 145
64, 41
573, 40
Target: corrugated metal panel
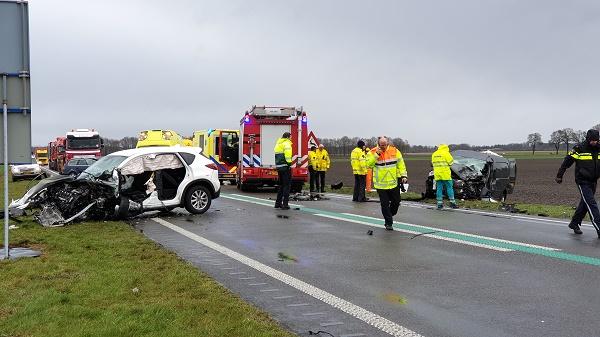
14, 65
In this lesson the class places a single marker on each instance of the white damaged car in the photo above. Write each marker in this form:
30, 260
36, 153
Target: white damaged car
126, 183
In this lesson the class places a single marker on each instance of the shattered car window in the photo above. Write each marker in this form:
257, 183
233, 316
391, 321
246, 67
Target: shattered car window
103, 166
468, 166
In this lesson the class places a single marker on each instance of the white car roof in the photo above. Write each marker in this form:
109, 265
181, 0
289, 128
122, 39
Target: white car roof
157, 149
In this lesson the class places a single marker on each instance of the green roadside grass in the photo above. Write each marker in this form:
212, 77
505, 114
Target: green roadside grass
552, 211
106, 279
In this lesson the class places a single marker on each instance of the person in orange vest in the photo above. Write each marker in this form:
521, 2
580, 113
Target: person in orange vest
389, 171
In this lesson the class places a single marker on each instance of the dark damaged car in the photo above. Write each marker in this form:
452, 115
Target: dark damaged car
479, 175
124, 184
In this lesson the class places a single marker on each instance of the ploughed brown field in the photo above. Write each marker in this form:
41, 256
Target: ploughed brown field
535, 180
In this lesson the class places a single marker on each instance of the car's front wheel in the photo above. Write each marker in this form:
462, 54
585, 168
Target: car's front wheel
197, 199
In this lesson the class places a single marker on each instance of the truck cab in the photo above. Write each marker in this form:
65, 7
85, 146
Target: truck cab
41, 155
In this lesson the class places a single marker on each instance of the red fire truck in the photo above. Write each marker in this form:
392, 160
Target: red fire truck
260, 128
78, 143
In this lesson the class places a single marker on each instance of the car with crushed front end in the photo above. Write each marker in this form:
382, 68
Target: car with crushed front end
479, 175
124, 184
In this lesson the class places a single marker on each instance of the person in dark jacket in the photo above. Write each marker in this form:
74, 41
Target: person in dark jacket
587, 172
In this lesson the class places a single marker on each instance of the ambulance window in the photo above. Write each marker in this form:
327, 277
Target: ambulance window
201, 142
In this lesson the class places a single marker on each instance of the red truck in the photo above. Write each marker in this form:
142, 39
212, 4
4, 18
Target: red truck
260, 128
78, 143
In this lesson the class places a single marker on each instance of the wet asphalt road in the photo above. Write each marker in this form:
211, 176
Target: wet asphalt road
440, 273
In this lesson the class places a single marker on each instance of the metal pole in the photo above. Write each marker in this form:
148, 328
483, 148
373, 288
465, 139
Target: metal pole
5, 126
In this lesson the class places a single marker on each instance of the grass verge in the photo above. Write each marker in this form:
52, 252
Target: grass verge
105, 279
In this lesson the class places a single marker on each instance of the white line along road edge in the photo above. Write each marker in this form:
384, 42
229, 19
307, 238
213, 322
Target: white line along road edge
364, 315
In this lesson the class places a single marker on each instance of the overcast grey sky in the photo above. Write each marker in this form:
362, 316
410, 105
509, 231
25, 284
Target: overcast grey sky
479, 72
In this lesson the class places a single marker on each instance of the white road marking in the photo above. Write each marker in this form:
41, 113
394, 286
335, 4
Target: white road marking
283, 297
360, 313
326, 324
461, 233
468, 243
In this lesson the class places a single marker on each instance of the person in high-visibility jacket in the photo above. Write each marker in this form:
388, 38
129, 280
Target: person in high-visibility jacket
442, 160
322, 163
358, 161
312, 163
283, 163
586, 157
389, 171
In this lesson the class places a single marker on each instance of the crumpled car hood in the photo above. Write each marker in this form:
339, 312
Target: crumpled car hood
23, 202
62, 199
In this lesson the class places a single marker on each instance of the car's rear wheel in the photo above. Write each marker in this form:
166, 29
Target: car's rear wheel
197, 199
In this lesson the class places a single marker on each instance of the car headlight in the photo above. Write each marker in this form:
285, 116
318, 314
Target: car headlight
15, 170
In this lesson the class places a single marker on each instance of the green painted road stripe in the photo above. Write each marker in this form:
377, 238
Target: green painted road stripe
441, 233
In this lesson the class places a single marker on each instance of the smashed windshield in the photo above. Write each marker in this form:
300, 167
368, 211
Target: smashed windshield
468, 167
104, 166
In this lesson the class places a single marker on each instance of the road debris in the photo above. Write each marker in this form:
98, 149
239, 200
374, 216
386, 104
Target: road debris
395, 298
286, 257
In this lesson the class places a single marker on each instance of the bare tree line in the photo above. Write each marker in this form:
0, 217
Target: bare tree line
114, 145
567, 136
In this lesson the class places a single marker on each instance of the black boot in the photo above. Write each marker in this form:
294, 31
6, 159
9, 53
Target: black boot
576, 229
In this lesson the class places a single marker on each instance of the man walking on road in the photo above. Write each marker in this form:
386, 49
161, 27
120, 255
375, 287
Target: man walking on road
283, 163
312, 163
442, 160
388, 172
359, 169
587, 172
322, 165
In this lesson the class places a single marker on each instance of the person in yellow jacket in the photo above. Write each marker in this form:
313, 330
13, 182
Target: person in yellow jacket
283, 163
442, 160
359, 169
312, 163
322, 163
389, 171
